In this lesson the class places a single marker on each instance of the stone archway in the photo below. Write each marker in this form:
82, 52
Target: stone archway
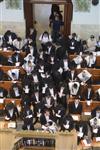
29, 17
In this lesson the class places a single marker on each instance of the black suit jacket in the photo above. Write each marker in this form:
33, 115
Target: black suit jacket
28, 127
74, 110
43, 120
72, 45
70, 77
61, 109
51, 52
14, 115
67, 118
87, 95
13, 94
84, 127
35, 100
27, 115
14, 58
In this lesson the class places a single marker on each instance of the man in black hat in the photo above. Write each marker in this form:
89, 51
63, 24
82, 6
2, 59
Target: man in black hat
11, 112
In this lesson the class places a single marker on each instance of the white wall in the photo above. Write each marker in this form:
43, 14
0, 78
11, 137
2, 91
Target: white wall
12, 15
12, 19
92, 17
87, 23
83, 23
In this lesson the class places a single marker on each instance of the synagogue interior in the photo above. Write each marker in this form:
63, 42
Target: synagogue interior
49, 75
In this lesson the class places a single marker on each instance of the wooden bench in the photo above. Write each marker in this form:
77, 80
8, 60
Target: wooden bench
87, 108
9, 53
8, 100
94, 72
8, 84
6, 68
71, 57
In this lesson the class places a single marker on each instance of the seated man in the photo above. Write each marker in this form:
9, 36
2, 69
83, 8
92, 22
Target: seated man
67, 123
59, 111
16, 59
13, 74
27, 116
15, 91
82, 130
78, 61
90, 60
27, 125
91, 42
46, 120
75, 107
98, 44
95, 122
11, 112
97, 95
3, 92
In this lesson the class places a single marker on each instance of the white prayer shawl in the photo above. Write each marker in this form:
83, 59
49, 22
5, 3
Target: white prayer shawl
28, 68
91, 43
84, 76
45, 39
66, 65
29, 57
78, 60
90, 61
73, 91
16, 71
16, 92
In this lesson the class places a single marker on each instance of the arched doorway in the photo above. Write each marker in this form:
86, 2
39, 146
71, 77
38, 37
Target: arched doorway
29, 16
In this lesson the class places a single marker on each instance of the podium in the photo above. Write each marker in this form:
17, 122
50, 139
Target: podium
10, 139
47, 141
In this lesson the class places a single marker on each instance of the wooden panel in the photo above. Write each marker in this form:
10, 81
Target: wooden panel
66, 142
16, 101
28, 14
9, 53
68, 13
6, 68
8, 84
48, 1
87, 108
6, 140
97, 59
95, 73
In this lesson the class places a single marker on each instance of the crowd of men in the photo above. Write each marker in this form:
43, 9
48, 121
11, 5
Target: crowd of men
50, 79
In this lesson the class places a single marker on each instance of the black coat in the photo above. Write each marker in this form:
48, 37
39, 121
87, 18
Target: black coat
15, 59
43, 120
14, 115
74, 110
13, 93
84, 127
67, 120
28, 127
27, 115
70, 77
88, 95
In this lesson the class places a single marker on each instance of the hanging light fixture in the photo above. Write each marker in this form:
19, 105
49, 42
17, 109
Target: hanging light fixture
95, 2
